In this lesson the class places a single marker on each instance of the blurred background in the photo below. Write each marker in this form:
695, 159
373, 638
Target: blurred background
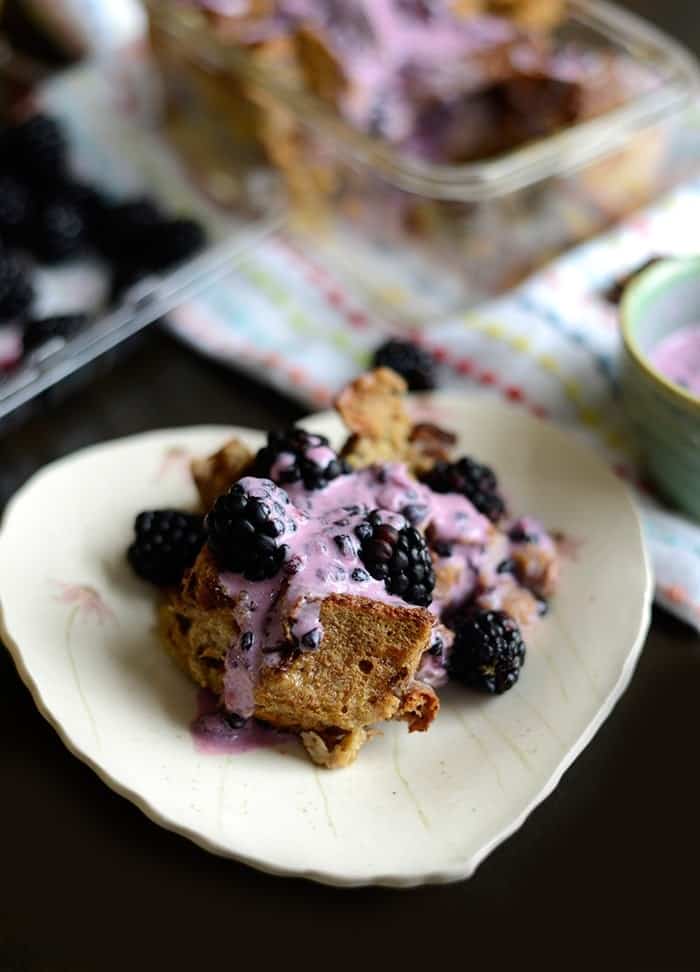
252, 175
211, 215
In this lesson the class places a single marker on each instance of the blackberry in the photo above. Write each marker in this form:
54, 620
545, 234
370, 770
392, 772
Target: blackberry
16, 291
89, 201
57, 232
133, 215
468, 477
118, 230
37, 148
124, 277
167, 542
38, 331
14, 207
488, 651
414, 364
244, 530
399, 556
171, 241
295, 455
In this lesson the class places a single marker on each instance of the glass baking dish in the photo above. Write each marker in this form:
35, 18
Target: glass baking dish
419, 238
116, 147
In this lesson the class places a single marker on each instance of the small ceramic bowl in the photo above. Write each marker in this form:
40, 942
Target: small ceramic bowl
665, 416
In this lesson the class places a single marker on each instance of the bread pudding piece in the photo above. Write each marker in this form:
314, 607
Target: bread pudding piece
373, 408
363, 673
441, 82
215, 474
319, 662
534, 14
329, 599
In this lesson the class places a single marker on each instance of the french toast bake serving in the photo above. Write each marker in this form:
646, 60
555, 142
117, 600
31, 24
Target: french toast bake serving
322, 593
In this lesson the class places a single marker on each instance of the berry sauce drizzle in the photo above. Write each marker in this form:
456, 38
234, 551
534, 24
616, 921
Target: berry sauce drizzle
324, 556
213, 731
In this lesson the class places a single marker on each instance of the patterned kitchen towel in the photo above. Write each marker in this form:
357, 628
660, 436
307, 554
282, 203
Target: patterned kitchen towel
551, 346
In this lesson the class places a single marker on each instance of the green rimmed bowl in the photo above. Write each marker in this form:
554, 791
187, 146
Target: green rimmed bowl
665, 417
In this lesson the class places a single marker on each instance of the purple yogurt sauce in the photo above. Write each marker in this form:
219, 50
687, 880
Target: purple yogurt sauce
677, 357
394, 53
215, 732
323, 558
414, 67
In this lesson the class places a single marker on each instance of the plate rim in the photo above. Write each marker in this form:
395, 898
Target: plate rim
444, 875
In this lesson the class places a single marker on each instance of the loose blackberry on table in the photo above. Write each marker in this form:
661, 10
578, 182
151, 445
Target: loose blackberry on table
294, 444
244, 531
399, 556
167, 542
488, 651
415, 365
471, 479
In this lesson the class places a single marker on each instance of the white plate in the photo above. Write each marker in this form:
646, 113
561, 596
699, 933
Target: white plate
413, 809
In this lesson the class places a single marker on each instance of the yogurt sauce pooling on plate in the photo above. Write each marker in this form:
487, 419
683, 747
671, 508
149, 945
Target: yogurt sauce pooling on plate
677, 357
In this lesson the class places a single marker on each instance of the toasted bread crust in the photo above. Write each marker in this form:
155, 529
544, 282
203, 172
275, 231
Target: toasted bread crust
216, 474
198, 625
334, 750
322, 72
419, 706
537, 568
363, 672
367, 659
372, 408
534, 14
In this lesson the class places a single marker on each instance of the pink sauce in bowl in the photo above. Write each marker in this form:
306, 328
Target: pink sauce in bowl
677, 357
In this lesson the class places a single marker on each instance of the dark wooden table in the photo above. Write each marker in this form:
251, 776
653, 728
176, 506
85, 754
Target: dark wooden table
601, 875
